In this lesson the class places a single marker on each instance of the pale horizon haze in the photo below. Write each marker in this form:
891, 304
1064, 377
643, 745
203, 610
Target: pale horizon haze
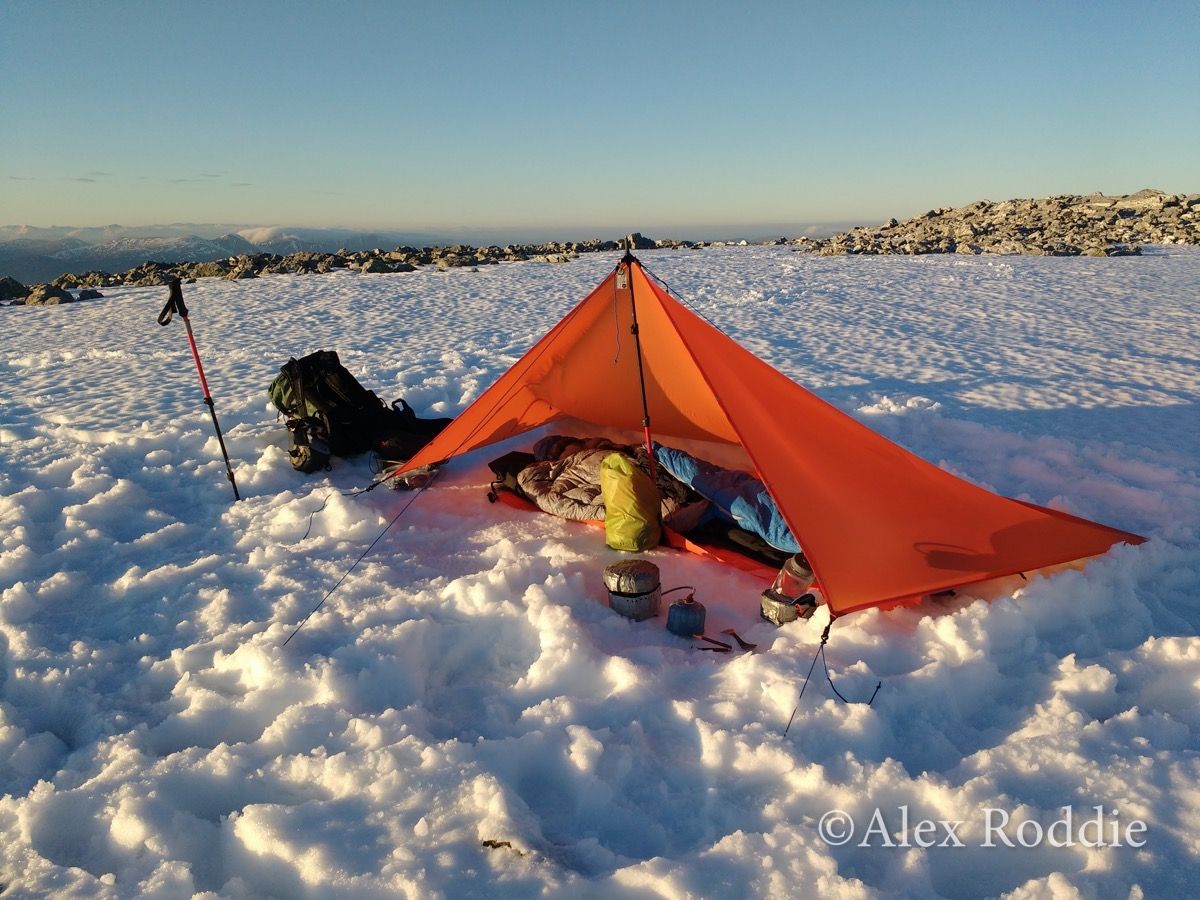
570, 118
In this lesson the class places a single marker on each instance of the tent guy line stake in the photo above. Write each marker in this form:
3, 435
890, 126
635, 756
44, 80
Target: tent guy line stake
174, 305
820, 647
821, 653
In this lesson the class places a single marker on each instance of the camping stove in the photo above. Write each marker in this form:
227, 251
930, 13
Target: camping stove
634, 589
779, 610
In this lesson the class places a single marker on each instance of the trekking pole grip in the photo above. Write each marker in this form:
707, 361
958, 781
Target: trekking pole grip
176, 298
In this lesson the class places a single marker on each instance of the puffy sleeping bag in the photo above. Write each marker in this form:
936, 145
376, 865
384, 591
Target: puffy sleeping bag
567, 487
570, 486
736, 496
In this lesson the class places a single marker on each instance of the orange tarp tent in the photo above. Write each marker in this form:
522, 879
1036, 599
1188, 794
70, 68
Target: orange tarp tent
878, 523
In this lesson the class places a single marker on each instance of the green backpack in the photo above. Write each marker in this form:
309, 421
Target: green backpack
318, 387
328, 411
631, 505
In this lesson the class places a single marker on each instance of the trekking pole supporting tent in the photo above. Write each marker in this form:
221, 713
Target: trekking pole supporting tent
175, 305
625, 265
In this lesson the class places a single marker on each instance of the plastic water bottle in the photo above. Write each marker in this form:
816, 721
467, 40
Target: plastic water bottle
787, 599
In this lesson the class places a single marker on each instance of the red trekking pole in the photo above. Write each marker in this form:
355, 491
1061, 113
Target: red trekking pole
175, 305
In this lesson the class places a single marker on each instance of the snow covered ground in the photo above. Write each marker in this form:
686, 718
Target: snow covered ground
467, 684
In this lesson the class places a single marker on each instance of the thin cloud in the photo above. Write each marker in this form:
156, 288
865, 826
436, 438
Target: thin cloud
20, 178
243, 184
82, 178
208, 175
100, 174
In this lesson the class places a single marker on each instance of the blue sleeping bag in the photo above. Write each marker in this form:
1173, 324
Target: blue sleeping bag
736, 496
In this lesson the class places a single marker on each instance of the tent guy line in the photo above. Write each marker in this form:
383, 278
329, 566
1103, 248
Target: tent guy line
361, 557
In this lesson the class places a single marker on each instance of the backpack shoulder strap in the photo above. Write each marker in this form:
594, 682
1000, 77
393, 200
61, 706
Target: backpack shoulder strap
292, 370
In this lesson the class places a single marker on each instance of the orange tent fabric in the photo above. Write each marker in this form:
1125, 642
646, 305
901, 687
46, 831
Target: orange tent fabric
877, 523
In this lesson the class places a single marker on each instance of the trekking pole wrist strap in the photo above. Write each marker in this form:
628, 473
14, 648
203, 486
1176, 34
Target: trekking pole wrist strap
174, 304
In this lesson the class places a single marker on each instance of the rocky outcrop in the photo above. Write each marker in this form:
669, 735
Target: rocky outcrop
369, 262
47, 295
375, 266
1095, 225
457, 259
11, 289
92, 279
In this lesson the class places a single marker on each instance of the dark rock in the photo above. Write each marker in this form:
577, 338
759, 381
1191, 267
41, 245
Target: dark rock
66, 280
151, 279
11, 289
96, 279
88, 294
47, 295
402, 257
374, 265
217, 269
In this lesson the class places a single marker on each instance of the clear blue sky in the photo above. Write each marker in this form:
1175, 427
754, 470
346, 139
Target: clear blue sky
584, 117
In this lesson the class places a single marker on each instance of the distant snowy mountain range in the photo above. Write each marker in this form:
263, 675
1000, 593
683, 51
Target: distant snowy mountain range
39, 254
33, 255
